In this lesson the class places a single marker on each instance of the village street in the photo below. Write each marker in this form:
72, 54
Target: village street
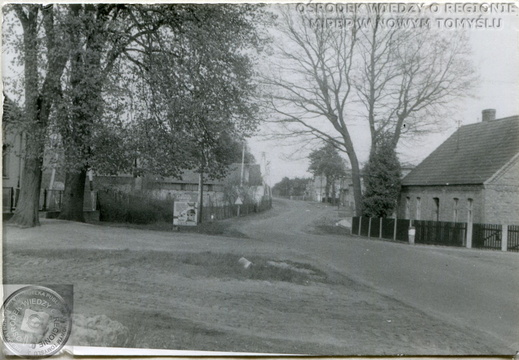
364, 296
474, 288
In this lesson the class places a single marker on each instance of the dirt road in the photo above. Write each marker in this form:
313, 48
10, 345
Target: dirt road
307, 293
476, 289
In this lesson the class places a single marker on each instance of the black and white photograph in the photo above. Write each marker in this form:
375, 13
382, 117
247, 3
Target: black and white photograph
260, 179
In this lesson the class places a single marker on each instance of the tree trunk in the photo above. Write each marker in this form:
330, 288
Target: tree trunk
37, 106
357, 190
74, 196
26, 213
333, 191
327, 189
355, 172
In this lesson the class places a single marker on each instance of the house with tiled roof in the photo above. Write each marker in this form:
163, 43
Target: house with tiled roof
472, 176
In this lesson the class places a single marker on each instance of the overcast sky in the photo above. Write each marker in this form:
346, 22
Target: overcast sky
495, 56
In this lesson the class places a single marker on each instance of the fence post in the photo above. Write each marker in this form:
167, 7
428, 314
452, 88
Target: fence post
394, 230
44, 200
504, 237
411, 234
12, 200
469, 234
369, 227
380, 230
93, 200
360, 224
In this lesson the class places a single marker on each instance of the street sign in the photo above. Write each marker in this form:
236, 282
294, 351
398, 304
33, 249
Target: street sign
238, 202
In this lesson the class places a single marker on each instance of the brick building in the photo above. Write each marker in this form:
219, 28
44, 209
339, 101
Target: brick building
472, 176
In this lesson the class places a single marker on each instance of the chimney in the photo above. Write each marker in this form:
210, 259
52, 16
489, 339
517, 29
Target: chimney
488, 115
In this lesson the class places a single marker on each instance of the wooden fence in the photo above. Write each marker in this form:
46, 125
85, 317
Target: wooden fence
228, 211
383, 228
484, 236
440, 233
487, 236
49, 200
513, 238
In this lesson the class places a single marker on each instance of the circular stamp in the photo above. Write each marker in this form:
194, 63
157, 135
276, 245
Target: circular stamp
36, 322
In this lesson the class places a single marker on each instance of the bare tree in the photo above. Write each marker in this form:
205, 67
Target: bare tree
314, 83
408, 79
404, 79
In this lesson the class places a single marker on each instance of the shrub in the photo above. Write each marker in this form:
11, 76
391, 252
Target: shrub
136, 209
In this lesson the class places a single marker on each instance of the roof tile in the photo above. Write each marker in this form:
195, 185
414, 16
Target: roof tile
471, 155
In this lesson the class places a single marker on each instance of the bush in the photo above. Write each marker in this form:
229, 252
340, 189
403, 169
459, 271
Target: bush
136, 209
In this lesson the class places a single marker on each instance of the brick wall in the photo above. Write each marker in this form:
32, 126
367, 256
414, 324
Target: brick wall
502, 196
447, 204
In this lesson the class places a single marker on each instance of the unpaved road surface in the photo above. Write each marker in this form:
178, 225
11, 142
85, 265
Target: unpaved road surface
307, 292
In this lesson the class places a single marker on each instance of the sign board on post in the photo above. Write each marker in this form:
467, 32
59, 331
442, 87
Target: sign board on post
185, 213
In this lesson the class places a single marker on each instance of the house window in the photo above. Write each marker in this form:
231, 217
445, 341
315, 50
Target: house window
407, 207
469, 210
436, 208
455, 210
418, 208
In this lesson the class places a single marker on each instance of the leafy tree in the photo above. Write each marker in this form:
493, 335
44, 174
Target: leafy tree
196, 78
100, 35
327, 162
299, 186
291, 187
43, 53
382, 178
201, 89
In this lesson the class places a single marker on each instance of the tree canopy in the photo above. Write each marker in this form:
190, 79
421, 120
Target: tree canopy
291, 187
327, 162
172, 86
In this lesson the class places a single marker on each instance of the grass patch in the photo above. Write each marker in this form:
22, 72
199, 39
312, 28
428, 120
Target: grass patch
213, 228
203, 264
327, 225
223, 228
227, 265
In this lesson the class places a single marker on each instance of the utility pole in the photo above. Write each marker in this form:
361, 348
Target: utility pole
241, 176
242, 164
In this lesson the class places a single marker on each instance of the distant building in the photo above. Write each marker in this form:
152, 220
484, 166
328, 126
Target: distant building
12, 148
472, 176
251, 188
316, 190
215, 190
12, 145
